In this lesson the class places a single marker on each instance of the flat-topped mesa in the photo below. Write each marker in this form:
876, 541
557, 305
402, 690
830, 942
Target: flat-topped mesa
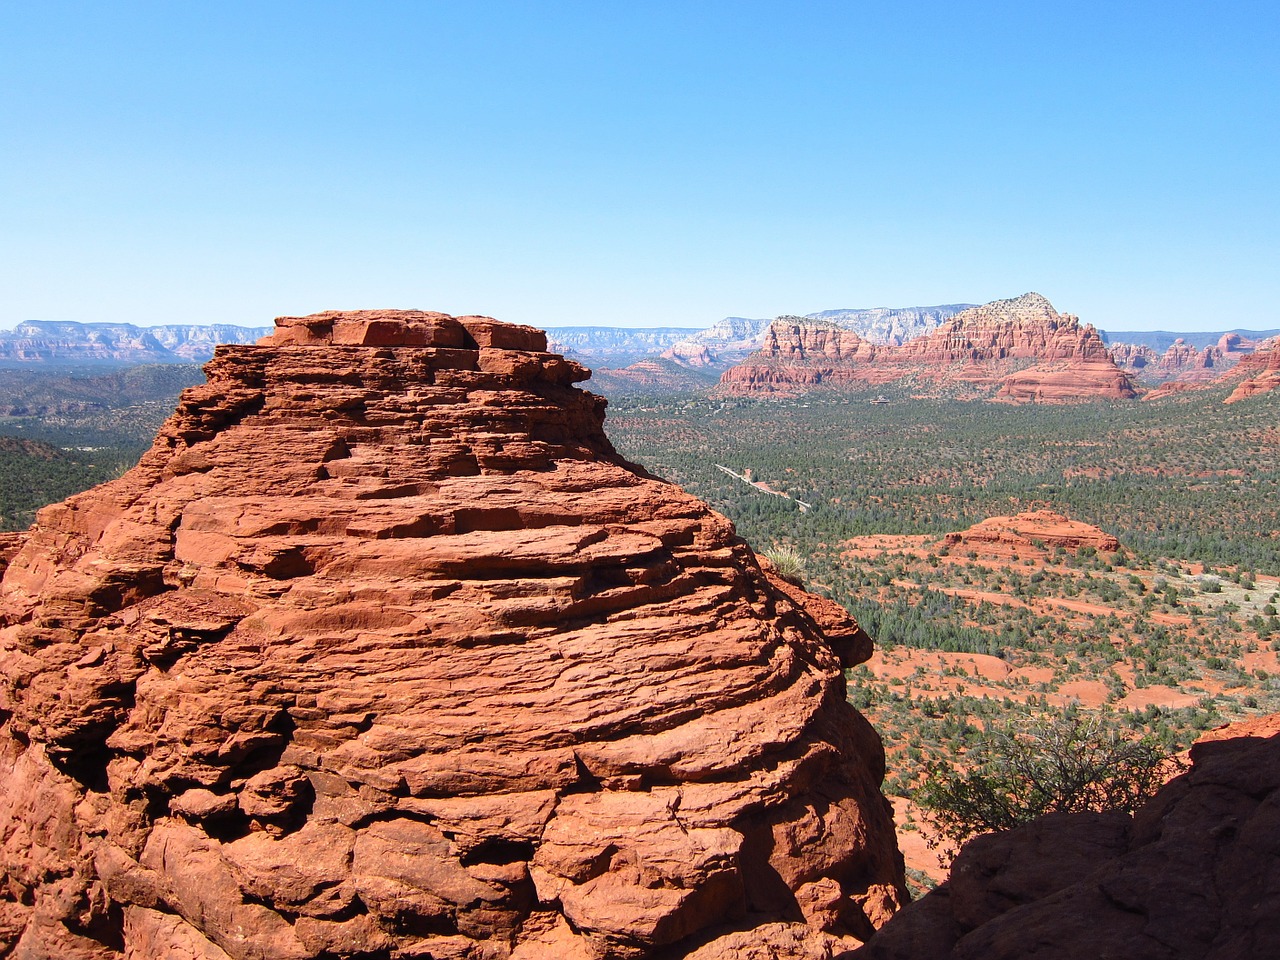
382, 650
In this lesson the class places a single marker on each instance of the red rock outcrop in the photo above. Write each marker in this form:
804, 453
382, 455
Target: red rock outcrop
1260, 370
1025, 327
1183, 356
1022, 346
10, 544
1030, 535
1182, 367
1135, 358
1069, 382
799, 354
382, 652
1194, 875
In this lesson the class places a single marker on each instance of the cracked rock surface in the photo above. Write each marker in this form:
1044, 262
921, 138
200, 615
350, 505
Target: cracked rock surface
383, 652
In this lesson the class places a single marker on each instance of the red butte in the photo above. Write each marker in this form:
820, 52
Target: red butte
383, 652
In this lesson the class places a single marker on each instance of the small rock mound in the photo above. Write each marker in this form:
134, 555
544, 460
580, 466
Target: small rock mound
1030, 535
382, 651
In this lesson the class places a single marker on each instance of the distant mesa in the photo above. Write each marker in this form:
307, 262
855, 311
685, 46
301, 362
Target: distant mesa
1030, 535
734, 339
1019, 349
597, 346
382, 650
115, 344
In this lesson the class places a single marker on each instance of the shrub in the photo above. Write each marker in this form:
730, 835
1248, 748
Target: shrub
789, 564
1069, 763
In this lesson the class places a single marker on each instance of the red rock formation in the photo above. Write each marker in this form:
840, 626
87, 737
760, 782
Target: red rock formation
1194, 875
1171, 387
1181, 356
689, 354
1025, 327
382, 651
1182, 367
1065, 383
10, 544
1260, 370
1234, 343
1134, 358
981, 348
1016, 537
799, 354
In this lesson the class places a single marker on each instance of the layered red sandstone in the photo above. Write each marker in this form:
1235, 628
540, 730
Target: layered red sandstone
382, 651
1030, 535
1022, 346
800, 354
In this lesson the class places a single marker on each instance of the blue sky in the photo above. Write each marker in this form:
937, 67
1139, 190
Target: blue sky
638, 164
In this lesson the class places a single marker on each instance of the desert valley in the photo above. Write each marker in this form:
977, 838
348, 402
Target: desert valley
392, 644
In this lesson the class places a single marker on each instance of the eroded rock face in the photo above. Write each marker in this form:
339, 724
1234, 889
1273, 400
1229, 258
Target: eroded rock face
1194, 875
382, 651
1135, 358
1068, 382
1260, 370
1021, 347
799, 354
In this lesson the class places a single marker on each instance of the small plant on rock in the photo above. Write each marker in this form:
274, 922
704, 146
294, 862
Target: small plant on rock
788, 563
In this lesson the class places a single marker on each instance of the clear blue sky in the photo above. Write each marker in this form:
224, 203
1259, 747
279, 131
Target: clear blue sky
638, 163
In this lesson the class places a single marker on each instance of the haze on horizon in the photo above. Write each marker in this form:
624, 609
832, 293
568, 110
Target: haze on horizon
639, 165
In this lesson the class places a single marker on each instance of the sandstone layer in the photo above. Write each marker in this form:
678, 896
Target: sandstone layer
382, 652
1194, 875
799, 354
1094, 379
1030, 534
1022, 348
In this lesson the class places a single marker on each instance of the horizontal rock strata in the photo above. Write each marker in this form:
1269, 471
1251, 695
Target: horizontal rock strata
1021, 347
1030, 535
382, 652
